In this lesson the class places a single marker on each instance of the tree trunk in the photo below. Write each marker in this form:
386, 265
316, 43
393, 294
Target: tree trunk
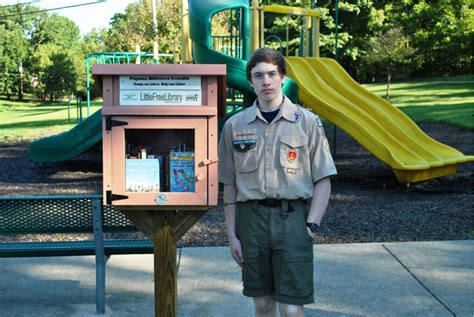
20, 88
389, 77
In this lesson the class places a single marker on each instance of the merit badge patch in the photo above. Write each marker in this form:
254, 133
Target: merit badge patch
292, 155
244, 145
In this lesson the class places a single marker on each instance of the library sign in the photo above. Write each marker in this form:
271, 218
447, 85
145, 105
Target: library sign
159, 90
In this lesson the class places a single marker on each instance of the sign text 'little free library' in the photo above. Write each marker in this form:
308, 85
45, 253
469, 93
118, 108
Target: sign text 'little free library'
159, 90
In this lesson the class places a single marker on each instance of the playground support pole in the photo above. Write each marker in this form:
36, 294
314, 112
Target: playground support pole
334, 146
316, 30
287, 18
186, 47
254, 27
137, 50
69, 110
155, 31
307, 29
337, 30
88, 87
262, 26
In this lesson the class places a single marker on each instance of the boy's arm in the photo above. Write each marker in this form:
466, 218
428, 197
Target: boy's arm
230, 207
321, 194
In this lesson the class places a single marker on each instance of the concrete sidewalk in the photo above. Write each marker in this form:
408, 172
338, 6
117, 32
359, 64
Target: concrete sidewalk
373, 279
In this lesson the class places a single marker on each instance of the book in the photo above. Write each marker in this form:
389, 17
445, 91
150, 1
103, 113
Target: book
142, 175
164, 173
182, 176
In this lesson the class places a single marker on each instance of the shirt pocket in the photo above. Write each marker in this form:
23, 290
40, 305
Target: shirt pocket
246, 162
293, 151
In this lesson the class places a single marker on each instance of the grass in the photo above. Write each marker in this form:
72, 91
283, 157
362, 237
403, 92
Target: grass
33, 120
445, 100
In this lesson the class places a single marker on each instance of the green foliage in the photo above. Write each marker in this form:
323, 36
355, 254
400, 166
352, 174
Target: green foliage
391, 52
55, 29
135, 26
441, 32
38, 51
55, 72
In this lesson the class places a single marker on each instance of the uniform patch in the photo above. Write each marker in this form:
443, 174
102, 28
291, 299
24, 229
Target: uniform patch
291, 170
326, 144
244, 145
292, 155
297, 117
320, 123
245, 134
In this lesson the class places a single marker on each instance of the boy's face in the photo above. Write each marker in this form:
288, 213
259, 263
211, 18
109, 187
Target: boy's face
267, 82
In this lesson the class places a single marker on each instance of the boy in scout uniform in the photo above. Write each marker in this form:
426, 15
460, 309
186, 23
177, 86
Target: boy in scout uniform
273, 158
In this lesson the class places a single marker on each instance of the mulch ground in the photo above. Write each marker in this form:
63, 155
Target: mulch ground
367, 203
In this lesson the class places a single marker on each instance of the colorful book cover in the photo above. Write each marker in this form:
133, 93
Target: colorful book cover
182, 176
142, 175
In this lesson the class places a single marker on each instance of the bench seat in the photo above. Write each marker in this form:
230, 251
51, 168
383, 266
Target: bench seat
68, 248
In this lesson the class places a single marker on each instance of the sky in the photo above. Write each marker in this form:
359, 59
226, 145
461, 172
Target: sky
87, 16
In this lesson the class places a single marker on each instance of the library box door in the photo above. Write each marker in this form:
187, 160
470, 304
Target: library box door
158, 161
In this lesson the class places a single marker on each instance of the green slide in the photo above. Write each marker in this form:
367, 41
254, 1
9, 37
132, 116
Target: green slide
69, 144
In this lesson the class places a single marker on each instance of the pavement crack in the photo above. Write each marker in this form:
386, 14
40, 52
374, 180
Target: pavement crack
419, 281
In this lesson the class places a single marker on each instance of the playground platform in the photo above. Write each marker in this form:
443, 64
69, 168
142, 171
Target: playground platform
372, 279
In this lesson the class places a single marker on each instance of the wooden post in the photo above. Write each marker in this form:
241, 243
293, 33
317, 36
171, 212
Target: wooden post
165, 228
164, 265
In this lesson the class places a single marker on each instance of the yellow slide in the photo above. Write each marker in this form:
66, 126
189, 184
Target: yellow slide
381, 128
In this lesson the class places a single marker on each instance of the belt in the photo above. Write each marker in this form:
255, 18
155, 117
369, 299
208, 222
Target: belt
284, 204
273, 203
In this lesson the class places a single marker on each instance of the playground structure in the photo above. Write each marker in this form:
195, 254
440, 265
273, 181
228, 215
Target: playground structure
320, 84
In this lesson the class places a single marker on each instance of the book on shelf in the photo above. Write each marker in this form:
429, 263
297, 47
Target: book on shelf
142, 175
181, 171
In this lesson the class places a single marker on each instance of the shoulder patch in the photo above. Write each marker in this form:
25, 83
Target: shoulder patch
320, 123
297, 117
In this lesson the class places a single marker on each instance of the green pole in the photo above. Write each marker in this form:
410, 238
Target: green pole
334, 143
88, 88
69, 110
337, 27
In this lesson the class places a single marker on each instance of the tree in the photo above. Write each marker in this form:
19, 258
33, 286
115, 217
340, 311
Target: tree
14, 27
391, 52
55, 29
54, 71
60, 76
441, 31
135, 26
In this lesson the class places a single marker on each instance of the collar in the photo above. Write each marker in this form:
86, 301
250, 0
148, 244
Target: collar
288, 111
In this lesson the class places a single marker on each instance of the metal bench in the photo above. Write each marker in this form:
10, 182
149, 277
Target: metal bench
68, 214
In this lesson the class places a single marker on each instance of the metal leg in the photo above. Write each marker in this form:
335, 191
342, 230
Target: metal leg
100, 259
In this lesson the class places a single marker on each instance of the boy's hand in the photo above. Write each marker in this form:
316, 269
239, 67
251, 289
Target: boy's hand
236, 251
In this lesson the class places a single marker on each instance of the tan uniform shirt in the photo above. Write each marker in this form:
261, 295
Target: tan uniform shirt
280, 160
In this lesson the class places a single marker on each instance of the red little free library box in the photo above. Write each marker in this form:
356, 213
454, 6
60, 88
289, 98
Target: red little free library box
160, 134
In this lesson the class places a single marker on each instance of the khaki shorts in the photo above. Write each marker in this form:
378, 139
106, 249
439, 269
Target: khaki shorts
277, 250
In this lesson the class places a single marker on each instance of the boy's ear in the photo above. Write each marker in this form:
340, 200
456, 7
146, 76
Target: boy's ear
283, 78
250, 83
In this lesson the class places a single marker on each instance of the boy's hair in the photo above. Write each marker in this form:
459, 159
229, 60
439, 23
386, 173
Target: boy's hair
266, 55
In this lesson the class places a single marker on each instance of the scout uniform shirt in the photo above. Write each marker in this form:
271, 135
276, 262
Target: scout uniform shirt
280, 160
